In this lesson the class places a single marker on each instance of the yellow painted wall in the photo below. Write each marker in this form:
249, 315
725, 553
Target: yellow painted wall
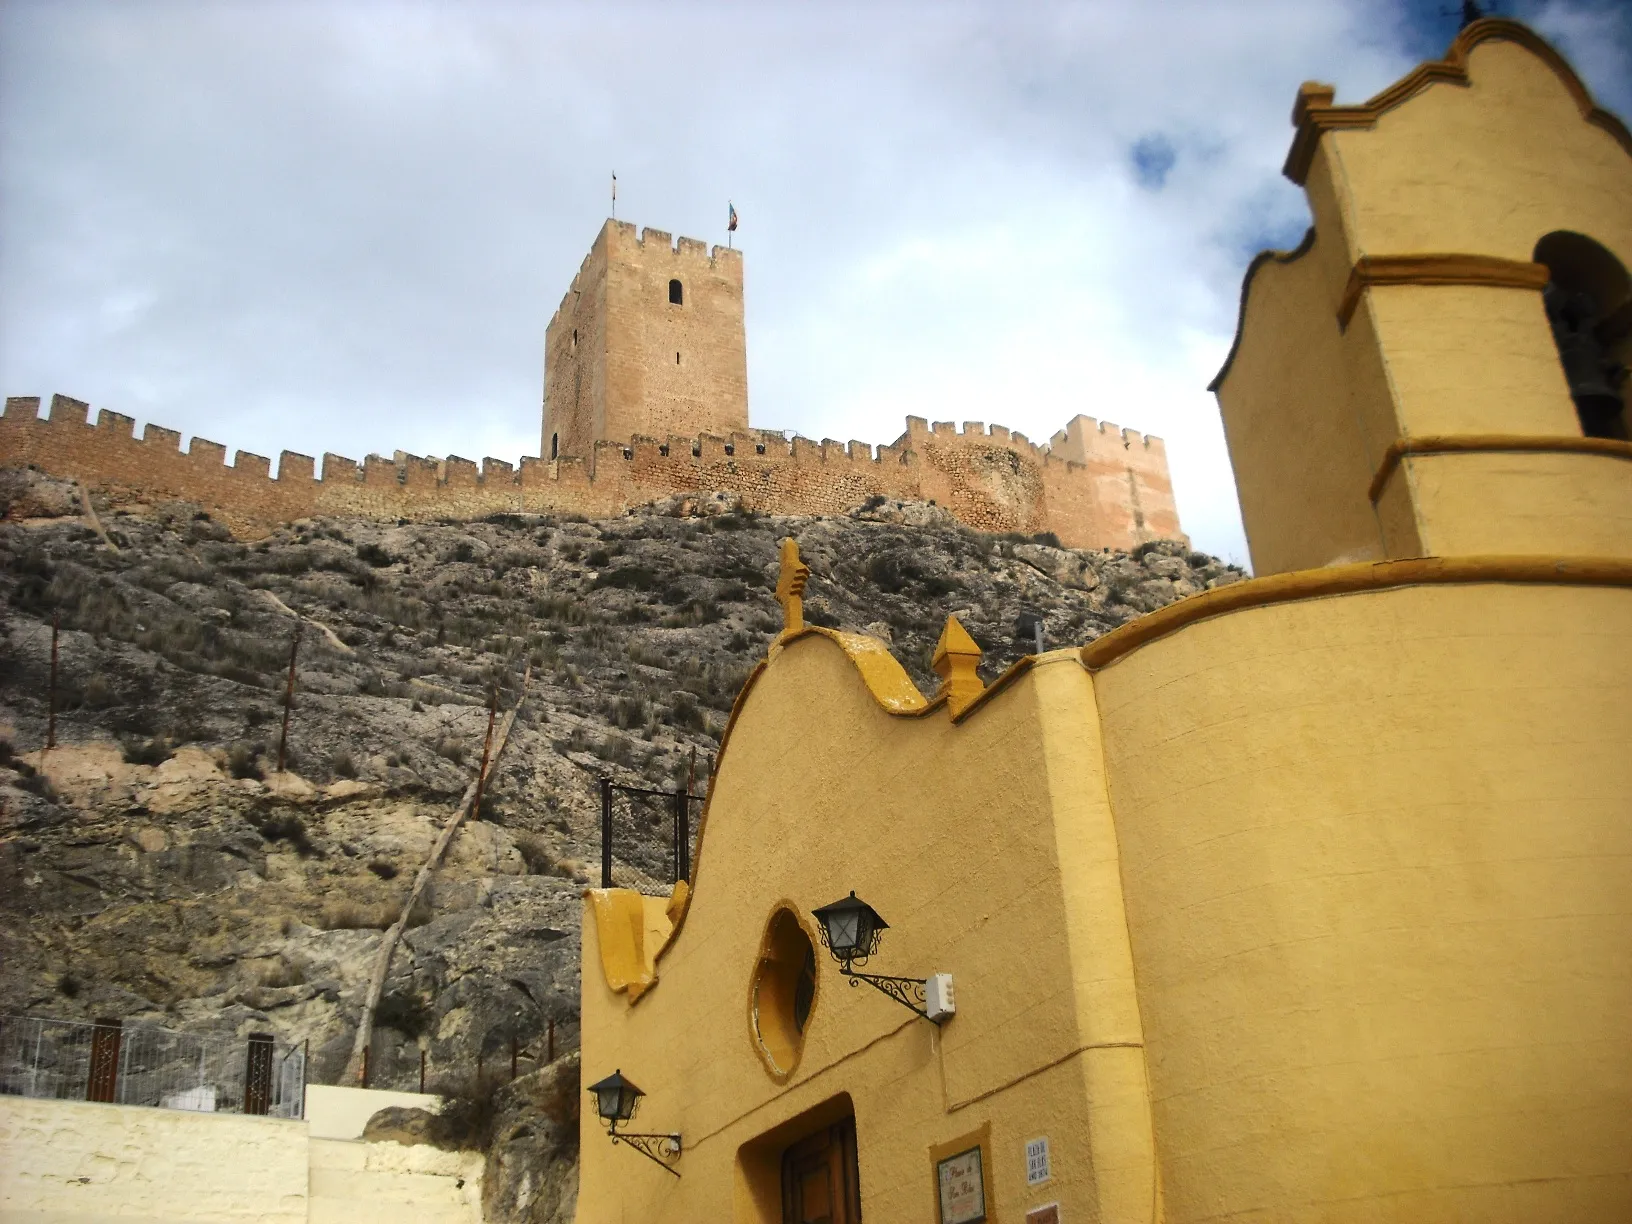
945, 830
1299, 454
1570, 505
1378, 867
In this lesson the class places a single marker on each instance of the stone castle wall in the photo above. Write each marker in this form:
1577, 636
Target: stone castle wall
1095, 487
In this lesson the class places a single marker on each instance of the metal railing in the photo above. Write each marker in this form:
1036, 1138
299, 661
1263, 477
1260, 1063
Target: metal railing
138, 1064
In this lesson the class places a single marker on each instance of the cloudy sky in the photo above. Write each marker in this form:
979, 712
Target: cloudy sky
343, 226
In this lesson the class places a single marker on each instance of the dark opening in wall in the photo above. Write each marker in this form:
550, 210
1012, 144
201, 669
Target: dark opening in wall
677, 359
1589, 305
555, 445
575, 339
677, 293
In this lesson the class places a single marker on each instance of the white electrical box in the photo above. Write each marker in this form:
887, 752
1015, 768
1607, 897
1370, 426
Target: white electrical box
940, 1004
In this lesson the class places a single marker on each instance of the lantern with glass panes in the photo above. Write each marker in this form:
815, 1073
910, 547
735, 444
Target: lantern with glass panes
851, 930
616, 1100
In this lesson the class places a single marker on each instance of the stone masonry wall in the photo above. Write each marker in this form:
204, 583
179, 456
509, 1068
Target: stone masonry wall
1115, 497
623, 361
575, 363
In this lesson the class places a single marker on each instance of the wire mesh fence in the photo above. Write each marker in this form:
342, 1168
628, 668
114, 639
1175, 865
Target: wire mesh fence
653, 831
136, 1064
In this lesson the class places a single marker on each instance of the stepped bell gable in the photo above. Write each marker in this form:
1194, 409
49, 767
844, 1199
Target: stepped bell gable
1305, 898
1439, 369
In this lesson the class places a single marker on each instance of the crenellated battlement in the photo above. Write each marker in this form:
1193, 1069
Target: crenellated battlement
652, 242
989, 478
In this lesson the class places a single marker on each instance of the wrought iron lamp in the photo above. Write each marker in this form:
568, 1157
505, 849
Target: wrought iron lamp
851, 930
616, 1100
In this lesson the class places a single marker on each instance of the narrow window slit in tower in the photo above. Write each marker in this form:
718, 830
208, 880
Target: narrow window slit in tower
677, 359
677, 293
555, 445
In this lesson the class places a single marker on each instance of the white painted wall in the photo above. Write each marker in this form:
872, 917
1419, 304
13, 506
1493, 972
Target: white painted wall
73, 1162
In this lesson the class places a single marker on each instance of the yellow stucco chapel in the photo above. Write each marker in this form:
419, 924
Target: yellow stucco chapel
1305, 898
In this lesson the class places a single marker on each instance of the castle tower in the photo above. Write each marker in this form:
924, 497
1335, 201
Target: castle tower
1439, 368
648, 341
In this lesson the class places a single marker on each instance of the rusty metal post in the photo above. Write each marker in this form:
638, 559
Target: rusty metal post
682, 836
51, 696
606, 832
487, 748
106, 1037
422, 1071
288, 696
258, 1074
551, 1047
682, 829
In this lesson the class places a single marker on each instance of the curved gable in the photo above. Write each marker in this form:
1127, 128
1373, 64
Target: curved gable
1314, 113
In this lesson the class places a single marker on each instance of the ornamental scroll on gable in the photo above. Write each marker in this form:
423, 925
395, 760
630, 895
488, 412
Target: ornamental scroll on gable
790, 588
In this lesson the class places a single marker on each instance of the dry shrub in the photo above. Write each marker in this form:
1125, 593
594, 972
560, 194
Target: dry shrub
536, 854
560, 1101
348, 915
408, 1014
469, 1110
354, 916
148, 752
242, 762
283, 972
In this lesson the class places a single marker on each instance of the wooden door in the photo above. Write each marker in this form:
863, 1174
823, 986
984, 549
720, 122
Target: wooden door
820, 1178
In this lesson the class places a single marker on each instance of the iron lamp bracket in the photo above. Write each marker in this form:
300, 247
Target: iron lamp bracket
930, 998
661, 1150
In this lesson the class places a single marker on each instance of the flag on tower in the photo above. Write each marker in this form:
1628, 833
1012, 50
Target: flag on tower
731, 220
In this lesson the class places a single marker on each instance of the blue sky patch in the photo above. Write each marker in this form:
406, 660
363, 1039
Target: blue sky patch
1153, 157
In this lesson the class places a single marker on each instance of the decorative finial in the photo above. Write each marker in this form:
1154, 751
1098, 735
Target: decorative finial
957, 663
790, 587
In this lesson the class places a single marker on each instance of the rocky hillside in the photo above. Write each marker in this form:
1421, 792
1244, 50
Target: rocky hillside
155, 865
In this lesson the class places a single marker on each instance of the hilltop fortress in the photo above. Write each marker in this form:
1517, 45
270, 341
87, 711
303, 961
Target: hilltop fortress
645, 398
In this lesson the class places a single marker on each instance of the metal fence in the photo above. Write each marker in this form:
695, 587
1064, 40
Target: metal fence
136, 1064
643, 817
